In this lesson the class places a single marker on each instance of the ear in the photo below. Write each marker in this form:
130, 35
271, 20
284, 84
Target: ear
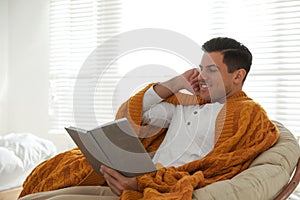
239, 76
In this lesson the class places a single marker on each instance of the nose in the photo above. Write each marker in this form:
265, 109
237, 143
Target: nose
202, 76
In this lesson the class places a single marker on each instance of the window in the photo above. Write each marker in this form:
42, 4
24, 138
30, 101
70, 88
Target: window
269, 28
77, 27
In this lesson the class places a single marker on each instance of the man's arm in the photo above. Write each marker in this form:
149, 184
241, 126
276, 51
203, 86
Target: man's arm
188, 80
158, 113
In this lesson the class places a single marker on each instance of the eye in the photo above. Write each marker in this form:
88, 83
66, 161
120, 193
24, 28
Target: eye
201, 68
212, 68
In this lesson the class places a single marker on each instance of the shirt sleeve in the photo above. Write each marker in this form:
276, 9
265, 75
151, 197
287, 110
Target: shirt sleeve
150, 98
155, 111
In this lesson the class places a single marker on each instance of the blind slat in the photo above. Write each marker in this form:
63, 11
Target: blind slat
76, 29
271, 30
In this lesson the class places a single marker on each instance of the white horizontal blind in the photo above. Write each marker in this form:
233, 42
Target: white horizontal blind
271, 30
77, 27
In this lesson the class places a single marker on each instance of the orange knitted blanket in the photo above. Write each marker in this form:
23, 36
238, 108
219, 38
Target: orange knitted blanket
242, 132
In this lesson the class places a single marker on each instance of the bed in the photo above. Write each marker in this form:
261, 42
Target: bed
19, 154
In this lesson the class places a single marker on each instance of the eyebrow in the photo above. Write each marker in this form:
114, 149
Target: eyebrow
209, 66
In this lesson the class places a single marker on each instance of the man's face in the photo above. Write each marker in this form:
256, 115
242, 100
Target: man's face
215, 83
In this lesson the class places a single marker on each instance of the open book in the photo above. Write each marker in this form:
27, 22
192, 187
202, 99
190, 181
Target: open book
115, 145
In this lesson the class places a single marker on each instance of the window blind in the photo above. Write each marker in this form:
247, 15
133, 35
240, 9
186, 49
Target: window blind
271, 30
77, 28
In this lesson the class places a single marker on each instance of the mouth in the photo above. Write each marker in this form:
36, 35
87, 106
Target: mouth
203, 86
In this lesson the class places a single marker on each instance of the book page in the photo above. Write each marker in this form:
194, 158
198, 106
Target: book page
122, 147
89, 148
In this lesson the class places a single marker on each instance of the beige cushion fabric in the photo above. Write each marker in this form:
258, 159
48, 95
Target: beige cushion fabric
268, 173
11, 194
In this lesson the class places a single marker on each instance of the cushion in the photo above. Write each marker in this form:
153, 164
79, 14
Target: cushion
265, 177
20, 153
11, 166
28, 147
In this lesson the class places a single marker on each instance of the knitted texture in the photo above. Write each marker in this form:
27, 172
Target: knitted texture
66, 169
242, 131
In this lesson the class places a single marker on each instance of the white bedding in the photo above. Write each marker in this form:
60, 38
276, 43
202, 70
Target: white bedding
19, 154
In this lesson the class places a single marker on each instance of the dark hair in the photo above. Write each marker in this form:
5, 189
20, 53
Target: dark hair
235, 54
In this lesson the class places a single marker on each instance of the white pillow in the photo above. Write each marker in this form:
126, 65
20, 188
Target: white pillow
28, 147
11, 166
19, 154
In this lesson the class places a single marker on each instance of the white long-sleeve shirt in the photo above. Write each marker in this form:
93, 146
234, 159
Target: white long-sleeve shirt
190, 134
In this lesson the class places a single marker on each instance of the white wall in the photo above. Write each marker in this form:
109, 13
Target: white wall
3, 65
28, 61
27, 47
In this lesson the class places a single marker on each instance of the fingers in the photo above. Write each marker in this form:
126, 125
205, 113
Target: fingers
113, 184
112, 173
117, 182
191, 78
111, 179
195, 74
158, 165
195, 82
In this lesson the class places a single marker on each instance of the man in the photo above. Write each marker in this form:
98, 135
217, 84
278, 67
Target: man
223, 70
199, 139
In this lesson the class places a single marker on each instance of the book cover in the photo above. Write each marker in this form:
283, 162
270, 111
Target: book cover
115, 145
